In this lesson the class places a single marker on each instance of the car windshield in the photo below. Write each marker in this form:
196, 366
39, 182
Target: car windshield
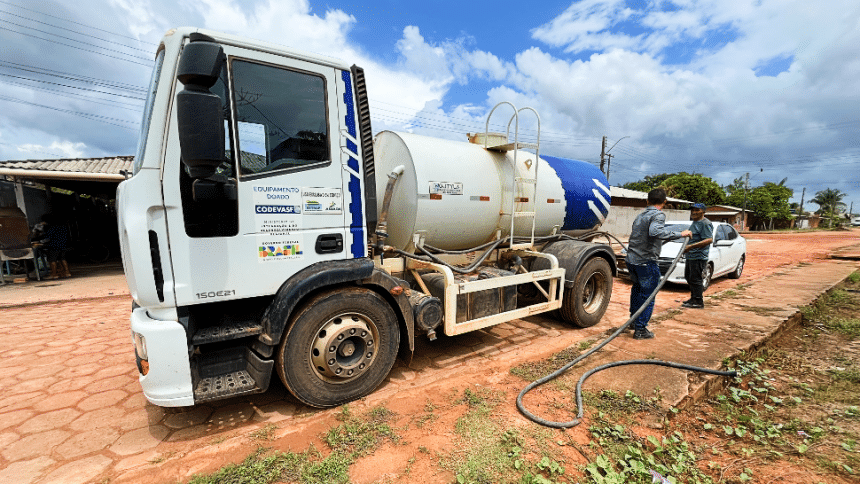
677, 227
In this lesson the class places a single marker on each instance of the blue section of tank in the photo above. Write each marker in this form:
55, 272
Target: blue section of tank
586, 192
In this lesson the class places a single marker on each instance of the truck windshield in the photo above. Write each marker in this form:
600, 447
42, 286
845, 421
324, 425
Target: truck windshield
147, 111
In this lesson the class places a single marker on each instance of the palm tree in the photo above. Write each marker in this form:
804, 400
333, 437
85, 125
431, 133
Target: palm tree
829, 200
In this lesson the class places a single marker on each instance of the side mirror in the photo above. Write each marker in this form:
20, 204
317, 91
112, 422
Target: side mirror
199, 111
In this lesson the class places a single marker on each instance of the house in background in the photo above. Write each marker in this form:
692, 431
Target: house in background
730, 215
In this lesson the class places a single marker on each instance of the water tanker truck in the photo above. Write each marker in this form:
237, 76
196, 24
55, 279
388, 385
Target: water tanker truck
265, 231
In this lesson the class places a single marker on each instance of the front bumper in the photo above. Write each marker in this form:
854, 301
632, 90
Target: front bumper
168, 382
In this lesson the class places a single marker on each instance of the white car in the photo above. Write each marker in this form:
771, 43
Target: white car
726, 257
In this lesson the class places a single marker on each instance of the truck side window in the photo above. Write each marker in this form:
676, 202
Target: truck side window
281, 118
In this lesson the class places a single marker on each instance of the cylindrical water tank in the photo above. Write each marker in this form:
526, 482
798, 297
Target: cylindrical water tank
458, 194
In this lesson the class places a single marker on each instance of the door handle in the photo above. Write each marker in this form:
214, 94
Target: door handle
329, 244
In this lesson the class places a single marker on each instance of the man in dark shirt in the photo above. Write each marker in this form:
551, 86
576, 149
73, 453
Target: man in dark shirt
643, 250
696, 254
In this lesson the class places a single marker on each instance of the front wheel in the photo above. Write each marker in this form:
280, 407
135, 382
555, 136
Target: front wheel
706, 276
340, 347
585, 303
736, 274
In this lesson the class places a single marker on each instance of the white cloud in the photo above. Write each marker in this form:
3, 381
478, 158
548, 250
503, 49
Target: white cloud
59, 149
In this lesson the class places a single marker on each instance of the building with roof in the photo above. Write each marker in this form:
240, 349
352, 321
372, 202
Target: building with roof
81, 191
730, 215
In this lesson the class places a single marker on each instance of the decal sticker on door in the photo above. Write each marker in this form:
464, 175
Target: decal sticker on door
322, 201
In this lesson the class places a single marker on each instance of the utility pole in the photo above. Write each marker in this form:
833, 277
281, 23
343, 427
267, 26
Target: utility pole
746, 188
608, 164
603, 155
800, 211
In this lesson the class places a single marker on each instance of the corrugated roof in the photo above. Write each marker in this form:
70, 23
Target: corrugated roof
625, 193
78, 168
729, 207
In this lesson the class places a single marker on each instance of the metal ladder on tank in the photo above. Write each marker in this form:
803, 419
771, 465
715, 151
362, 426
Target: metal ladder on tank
518, 182
554, 276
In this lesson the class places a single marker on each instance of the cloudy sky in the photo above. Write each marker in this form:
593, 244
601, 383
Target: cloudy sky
769, 87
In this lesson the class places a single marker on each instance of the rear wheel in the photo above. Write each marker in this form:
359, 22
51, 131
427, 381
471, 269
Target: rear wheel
340, 347
736, 274
706, 276
585, 303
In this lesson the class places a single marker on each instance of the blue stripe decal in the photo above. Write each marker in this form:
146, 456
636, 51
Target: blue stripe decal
585, 191
356, 227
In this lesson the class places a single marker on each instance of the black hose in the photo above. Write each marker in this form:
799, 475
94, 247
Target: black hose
471, 267
461, 270
563, 369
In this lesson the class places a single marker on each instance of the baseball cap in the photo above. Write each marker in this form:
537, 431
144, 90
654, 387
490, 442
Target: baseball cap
700, 206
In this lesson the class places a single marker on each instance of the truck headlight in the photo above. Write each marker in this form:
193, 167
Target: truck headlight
140, 353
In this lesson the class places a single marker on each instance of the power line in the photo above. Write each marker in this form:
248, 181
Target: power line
74, 22
72, 95
73, 87
95, 117
148, 51
81, 48
72, 77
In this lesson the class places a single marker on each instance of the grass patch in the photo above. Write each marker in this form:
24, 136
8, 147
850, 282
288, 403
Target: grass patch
354, 437
488, 453
264, 433
835, 311
665, 316
533, 370
763, 310
608, 404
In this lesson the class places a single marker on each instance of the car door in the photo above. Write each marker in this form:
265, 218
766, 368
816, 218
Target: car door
718, 249
736, 250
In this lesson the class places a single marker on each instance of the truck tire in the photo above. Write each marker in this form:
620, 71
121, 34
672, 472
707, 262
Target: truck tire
340, 346
585, 302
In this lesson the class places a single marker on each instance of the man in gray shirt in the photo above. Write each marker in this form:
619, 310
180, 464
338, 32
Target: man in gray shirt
643, 250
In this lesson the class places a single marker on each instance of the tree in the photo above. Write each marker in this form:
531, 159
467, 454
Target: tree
771, 201
829, 200
648, 183
694, 187
767, 202
688, 186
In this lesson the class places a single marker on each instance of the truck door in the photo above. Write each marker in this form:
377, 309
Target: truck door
290, 208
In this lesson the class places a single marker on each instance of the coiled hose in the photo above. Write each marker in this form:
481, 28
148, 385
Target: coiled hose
560, 371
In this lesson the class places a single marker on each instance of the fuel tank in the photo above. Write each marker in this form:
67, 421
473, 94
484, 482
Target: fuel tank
458, 194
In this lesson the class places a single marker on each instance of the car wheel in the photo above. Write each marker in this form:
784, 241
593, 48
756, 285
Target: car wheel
736, 274
706, 276
340, 347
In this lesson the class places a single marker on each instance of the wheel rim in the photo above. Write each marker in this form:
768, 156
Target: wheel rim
706, 277
593, 291
345, 348
740, 268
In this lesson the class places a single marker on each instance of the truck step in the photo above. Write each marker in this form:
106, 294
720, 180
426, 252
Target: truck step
224, 385
213, 334
229, 372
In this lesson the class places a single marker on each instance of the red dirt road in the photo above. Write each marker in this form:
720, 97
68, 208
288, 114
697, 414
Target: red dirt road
71, 409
